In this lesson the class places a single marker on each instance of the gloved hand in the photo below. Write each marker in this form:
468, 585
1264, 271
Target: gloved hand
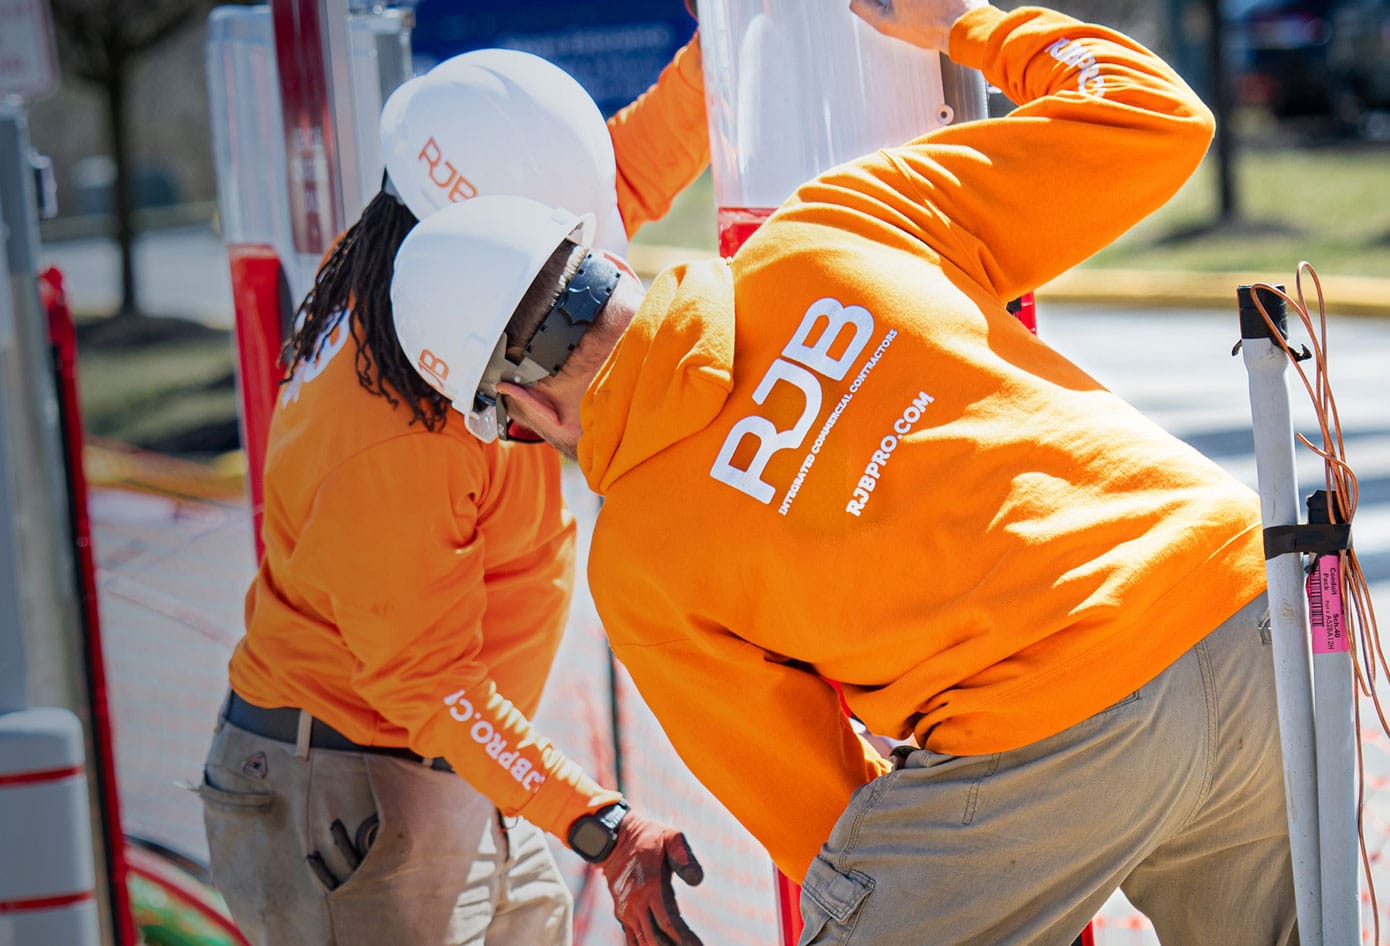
639, 871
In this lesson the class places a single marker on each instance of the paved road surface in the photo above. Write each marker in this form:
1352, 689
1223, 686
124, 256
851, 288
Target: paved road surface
178, 272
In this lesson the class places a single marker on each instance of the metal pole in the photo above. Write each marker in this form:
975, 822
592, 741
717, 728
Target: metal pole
14, 678
40, 557
47, 878
1266, 362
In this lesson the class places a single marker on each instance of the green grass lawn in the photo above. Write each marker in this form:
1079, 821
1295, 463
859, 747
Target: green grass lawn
171, 390
690, 222
1328, 204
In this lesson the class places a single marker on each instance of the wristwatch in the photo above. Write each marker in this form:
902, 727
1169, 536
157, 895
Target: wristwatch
593, 836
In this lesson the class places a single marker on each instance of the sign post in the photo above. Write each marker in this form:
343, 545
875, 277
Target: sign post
49, 894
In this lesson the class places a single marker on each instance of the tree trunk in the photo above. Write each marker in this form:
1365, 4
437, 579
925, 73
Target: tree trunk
1224, 146
124, 202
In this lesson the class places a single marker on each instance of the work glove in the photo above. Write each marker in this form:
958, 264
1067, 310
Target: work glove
639, 871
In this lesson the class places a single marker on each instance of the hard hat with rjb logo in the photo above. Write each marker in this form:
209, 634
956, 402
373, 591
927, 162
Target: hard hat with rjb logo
501, 121
459, 276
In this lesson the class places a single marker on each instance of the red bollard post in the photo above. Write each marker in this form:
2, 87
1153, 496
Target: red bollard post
62, 338
261, 295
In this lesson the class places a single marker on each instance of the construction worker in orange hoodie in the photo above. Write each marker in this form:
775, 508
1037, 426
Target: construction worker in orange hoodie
375, 778
837, 458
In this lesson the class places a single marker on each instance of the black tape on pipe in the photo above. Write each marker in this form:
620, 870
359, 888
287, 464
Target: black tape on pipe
1252, 323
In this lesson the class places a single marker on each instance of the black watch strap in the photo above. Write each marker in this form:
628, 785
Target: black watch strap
593, 836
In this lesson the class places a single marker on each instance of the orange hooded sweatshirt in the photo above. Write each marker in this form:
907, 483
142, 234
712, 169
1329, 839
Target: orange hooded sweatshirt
837, 456
415, 584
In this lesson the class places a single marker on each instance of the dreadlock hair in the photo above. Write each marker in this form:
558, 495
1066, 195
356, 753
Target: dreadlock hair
357, 276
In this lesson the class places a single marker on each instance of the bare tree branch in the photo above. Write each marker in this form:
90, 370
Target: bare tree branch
101, 41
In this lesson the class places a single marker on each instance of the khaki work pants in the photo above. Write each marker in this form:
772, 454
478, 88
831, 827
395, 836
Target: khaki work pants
1174, 795
437, 868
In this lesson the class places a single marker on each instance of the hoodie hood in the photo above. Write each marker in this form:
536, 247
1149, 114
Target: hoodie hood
667, 377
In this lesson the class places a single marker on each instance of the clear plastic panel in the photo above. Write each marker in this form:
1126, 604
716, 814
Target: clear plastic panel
248, 133
792, 92
380, 61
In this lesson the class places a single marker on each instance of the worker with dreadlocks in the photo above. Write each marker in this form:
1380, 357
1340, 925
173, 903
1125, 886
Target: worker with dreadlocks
837, 457
375, 778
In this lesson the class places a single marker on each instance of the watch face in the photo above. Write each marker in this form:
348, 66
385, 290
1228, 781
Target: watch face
590, 838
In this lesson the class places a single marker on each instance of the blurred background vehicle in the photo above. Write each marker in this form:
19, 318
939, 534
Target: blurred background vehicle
1358, 59
1321, 60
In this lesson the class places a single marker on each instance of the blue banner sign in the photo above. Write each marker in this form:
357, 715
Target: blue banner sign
614, 48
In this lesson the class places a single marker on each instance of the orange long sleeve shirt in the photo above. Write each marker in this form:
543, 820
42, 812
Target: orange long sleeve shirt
415, 584
837, 456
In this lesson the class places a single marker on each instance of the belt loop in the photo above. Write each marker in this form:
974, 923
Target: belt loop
222, 713
428, 761
301, 739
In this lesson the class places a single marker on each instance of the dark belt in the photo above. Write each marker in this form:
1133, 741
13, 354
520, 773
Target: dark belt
282, 725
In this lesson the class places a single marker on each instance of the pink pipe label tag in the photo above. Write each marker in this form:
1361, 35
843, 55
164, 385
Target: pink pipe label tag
1325, 614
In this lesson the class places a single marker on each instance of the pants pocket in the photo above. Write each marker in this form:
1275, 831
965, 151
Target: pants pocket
242, 829
357, 846
223, 798
831, 901
356, 839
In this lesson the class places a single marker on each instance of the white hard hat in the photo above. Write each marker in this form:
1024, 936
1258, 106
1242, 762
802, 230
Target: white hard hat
459, 275
500, 121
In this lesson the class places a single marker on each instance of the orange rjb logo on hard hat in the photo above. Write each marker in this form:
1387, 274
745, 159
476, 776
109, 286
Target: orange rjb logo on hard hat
435, 369
444, 175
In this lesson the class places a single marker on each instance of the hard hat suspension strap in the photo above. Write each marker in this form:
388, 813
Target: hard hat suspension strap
578, 305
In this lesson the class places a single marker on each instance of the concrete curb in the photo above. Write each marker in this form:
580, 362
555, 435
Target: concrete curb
1343, 295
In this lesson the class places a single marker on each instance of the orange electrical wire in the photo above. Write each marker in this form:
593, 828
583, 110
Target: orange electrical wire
1344, 491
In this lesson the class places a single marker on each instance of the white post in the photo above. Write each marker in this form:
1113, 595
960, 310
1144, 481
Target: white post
1336, 759
37, 525
1334, 725
1265, 362
47, 876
